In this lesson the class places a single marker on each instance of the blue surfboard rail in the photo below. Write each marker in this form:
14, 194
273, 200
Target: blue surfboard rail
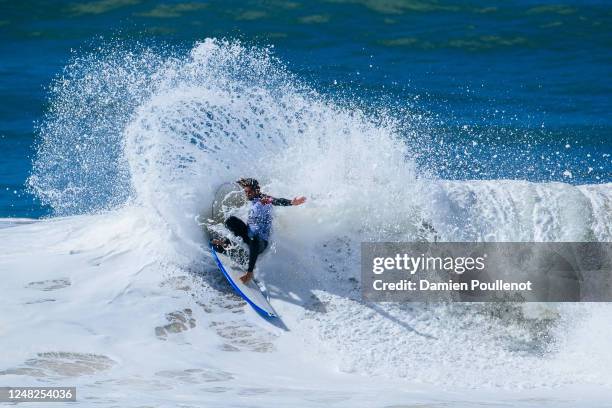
236, 288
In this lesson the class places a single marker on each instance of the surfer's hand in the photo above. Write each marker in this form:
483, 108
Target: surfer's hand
298, 200
246, 277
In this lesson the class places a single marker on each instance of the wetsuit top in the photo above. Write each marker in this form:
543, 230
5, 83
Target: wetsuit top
260, 215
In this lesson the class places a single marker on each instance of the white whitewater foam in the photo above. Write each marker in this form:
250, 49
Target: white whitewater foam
90, 301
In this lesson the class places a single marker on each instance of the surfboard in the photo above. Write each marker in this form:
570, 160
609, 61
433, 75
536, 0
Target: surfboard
251, 292
228, 200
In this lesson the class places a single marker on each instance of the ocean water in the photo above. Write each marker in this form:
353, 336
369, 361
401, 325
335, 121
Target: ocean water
504, 91
120, 119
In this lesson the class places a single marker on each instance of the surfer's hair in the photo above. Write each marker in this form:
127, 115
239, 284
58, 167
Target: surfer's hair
249, 182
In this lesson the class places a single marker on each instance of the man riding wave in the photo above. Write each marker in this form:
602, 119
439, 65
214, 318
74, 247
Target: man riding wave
256, 232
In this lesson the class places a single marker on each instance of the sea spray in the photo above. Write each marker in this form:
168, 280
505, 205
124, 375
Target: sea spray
164, 131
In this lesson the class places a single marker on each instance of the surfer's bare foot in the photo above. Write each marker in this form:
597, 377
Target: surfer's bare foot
220, 244
246, 277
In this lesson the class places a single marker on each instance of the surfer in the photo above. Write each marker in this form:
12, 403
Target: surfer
256, 231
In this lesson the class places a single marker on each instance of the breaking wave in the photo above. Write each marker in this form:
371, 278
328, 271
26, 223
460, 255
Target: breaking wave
161, 130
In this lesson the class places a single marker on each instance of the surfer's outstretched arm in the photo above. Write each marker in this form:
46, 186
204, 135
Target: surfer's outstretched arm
284, 202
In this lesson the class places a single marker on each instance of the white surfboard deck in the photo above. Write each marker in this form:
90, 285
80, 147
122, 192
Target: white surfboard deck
251, 292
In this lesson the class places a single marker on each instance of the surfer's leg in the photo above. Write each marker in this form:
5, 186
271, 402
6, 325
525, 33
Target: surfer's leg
238, 228
256, 247
253, 253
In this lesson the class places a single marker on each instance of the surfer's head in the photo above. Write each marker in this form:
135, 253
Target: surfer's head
250, 186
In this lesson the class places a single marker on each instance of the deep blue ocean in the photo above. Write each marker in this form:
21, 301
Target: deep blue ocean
511, 90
